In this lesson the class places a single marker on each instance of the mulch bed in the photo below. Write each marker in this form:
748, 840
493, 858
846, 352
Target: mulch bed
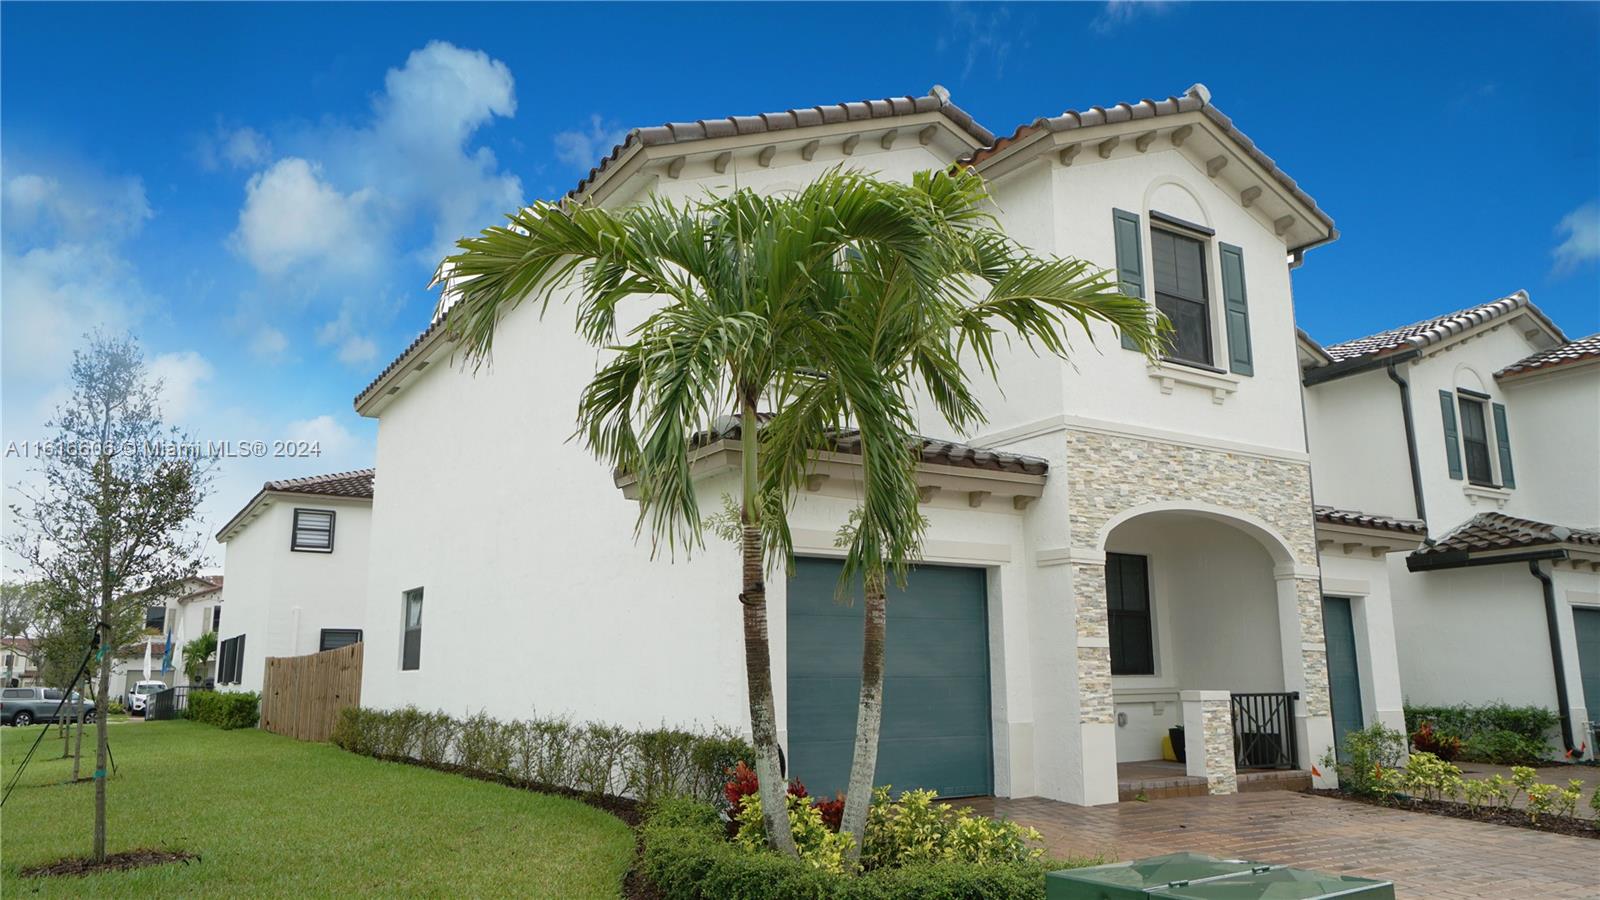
115, 862
1516, 818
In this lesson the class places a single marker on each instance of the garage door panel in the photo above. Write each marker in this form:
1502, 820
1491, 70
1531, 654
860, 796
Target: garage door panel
936, 730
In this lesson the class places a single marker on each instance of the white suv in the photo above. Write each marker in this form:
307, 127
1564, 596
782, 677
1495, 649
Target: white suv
139, 697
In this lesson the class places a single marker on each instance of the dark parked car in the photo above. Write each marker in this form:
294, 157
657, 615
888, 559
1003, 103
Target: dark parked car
24, 706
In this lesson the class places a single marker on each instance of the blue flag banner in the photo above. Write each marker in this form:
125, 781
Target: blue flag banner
166, 654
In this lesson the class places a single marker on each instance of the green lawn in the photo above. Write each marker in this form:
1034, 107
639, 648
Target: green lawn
270, 816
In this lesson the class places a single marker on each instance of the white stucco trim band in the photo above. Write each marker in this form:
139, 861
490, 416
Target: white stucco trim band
1060, 423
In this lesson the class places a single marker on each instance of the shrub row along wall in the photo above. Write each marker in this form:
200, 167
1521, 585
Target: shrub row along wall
585, 757
225, 709
1493, 733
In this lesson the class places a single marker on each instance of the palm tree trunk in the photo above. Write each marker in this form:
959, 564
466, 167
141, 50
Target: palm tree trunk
869, 716
757, 653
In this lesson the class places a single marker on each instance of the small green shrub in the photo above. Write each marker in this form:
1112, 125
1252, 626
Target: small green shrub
115, 708
589, 758
819, 847
1372, 755
1506, 748
225, 710
687, 857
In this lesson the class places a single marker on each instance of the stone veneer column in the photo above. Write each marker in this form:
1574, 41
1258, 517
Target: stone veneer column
1305, 665
1208, 739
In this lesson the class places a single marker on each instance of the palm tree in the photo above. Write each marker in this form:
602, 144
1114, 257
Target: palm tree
783, 312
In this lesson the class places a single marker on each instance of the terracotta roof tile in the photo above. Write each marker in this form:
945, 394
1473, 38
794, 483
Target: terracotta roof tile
933, 450
1196, 99
1432, 331
1559, 355
338, 484
1331, 516
1497, 531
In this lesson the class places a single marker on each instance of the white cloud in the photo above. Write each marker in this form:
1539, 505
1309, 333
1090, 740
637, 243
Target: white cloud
268, 343
584, 146
293, 219
237, 148
981, 32
357, 351
1117, 13
411, 161
332, 439
181, 375
62, 264
1580, 231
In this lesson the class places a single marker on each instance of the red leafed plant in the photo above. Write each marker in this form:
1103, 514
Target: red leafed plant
1445, 746
742, 783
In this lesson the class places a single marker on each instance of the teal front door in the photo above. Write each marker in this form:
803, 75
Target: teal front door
1344, 673
936, 731
1586, 622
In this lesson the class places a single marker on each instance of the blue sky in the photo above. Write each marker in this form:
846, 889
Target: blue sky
261, 192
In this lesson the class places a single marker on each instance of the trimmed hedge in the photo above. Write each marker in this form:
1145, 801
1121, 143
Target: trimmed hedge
587, 758
687, 857
225, 710
1494, 732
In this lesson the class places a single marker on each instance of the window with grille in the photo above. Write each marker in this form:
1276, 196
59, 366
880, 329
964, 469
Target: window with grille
313, 531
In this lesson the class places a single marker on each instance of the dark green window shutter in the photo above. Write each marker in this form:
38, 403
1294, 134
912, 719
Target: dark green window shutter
1130, 261
1452, 441
1238, 311
1502, 437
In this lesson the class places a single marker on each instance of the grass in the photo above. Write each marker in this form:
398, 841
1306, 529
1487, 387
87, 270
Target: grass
271, 816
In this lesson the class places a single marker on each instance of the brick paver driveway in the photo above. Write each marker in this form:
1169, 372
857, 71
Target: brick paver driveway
1424, 855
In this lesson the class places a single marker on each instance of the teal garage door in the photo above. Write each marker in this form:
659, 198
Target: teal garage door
936, 682
1587, 624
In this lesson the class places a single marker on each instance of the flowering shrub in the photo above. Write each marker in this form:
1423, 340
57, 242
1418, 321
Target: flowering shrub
742, 783
1428, 740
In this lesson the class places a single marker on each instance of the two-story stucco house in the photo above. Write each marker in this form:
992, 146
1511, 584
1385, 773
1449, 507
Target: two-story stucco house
194, 608
296, 570
1485, 423
1126, 548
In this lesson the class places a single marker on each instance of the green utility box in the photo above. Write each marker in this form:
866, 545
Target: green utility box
1280, 884
1193, 876
1137, 880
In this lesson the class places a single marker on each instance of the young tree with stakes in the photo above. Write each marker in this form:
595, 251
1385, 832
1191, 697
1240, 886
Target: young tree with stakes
763, 316
111, 522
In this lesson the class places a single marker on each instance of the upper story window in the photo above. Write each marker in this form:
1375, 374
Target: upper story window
1477, 438
1182, 285
155, 618
313, 531
216, 617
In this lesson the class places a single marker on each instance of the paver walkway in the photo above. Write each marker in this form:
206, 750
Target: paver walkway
1424, 855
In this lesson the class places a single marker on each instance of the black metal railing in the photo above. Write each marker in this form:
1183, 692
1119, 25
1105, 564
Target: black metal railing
1263, 731
170, 703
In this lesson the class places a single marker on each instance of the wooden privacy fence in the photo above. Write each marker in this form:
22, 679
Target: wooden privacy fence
302, 696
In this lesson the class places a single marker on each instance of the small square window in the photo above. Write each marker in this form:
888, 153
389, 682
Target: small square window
313, 531
334, 638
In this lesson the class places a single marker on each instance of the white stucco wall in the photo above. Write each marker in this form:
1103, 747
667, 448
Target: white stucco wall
1555, 441
1107, 383
1357, 436
282, 599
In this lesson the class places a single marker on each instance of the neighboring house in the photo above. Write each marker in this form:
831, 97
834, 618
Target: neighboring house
296, 568
196, 607
1486, 424
1125, 545
18, 663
